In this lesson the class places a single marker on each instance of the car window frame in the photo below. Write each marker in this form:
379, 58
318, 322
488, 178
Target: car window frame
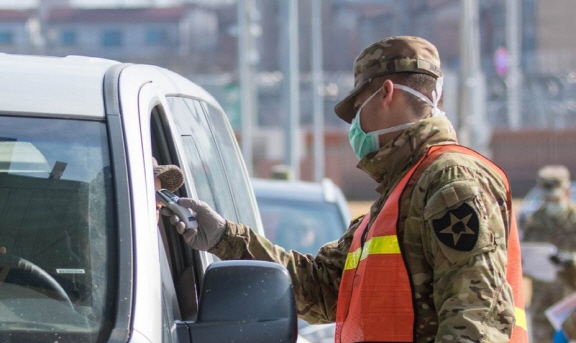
164, 144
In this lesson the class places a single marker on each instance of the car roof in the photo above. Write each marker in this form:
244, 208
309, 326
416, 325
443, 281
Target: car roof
73, 86
53, 85
325, 191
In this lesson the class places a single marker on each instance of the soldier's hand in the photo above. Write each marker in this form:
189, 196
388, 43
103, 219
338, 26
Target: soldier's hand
211, 225
562, 258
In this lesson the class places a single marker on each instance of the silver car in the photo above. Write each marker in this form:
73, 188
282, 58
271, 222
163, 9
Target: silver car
82, 256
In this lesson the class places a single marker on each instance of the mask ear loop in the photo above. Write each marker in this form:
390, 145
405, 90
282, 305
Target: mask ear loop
436, 94
358, 113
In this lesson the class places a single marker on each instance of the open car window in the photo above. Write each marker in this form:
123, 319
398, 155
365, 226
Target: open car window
56, 228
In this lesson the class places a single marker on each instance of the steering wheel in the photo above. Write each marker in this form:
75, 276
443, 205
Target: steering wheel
25, 273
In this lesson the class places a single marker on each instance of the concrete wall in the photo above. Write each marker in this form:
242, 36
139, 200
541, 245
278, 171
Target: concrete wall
522, 153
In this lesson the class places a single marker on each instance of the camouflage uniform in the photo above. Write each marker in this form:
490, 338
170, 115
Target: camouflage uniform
457, 264
568, 276
560, 230
461, 295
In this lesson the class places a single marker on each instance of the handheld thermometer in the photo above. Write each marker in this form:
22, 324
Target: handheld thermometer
170, 200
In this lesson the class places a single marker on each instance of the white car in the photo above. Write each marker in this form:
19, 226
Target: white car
82, 258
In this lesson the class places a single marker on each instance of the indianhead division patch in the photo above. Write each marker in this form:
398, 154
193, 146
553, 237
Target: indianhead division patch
458, 228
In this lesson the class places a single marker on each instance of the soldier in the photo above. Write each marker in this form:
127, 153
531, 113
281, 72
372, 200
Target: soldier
554, 222
436, 258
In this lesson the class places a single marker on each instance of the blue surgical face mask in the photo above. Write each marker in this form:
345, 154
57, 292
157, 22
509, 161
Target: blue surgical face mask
363, 143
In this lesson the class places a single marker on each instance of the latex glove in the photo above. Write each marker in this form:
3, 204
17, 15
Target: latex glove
211, 225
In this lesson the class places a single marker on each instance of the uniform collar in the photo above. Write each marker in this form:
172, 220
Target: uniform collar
394, 158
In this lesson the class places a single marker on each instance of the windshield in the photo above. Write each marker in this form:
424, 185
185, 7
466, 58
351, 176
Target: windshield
303, 226
55, 229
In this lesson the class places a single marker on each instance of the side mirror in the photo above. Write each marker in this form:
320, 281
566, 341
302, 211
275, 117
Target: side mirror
245, 301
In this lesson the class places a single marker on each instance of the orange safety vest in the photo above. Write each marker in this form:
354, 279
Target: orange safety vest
375, 301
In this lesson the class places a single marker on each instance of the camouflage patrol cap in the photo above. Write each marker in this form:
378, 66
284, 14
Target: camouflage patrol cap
401, 54
553, 179
171, 176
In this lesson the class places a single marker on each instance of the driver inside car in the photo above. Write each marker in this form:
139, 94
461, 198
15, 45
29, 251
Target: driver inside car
166, 176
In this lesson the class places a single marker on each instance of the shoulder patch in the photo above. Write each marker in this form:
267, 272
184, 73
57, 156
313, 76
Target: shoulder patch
458, 228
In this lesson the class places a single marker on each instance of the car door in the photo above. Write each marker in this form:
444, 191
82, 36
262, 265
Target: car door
177, 125
167, 272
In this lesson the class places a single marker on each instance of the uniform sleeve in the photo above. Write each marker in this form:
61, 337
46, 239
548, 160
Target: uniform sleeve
316, 280
467, 223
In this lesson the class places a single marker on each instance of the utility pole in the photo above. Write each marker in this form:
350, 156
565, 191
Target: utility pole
514, 74
473, 130
317, 90
247, 61
291, 82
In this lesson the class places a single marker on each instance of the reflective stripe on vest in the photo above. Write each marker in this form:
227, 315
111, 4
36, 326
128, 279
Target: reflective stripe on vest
375, 301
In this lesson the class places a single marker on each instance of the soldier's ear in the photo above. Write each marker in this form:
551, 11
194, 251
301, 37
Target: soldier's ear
388, 91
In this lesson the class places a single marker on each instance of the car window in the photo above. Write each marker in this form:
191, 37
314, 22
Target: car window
234, 166
56, 227
303, 226
202, 155
214, 159
179, 264
168, 306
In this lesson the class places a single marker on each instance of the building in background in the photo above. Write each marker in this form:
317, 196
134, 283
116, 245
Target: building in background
16, 27
199, 39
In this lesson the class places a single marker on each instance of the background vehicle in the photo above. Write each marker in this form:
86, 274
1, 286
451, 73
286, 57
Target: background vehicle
533, 200
83, 257
303, 216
